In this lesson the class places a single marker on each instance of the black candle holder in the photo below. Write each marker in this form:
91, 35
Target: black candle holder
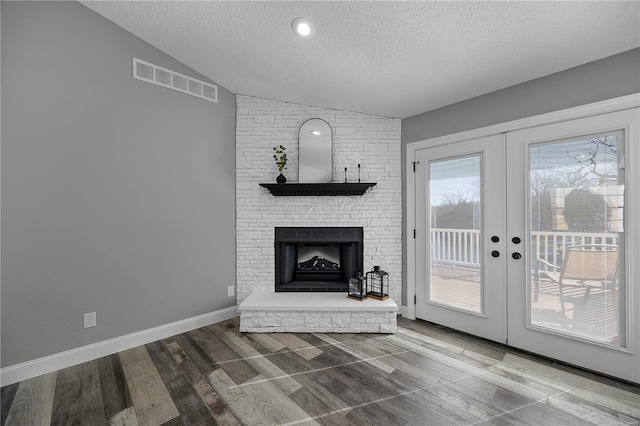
377, 283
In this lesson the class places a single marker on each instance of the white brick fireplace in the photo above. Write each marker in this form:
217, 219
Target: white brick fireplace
372, 141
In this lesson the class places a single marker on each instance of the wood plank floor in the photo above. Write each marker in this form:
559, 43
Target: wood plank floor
423, 375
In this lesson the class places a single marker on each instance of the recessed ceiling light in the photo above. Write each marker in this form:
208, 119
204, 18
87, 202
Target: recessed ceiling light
303, 27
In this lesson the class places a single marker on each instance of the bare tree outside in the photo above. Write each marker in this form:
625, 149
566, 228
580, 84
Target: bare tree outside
564, 180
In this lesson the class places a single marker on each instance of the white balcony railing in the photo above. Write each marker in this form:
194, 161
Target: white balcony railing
552, 246
456, 246
461, 247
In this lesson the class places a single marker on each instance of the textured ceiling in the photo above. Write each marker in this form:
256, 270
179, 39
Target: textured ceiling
393, 59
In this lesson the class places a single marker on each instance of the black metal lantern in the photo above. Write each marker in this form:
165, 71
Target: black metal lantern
378, 283
357, 288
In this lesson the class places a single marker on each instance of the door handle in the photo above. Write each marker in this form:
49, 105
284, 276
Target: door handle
495, 253
495, 239
516, 255
516, 240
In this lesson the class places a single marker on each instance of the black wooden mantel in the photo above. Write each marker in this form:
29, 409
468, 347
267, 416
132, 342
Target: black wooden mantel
311, 189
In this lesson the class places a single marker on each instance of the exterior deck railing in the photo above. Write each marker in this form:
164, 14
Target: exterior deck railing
457, 246
461, 247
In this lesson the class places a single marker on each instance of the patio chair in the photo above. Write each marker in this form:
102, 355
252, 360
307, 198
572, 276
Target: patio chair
584, 266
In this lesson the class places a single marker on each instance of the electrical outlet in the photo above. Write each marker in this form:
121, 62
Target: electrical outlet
230, 291
90, 320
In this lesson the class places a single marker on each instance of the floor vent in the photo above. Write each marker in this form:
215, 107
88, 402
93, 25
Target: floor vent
173, 80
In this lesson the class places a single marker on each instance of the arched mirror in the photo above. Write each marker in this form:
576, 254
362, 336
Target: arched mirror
315, 152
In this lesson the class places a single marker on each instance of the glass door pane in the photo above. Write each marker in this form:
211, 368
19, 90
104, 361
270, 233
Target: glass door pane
576, 200
455, 219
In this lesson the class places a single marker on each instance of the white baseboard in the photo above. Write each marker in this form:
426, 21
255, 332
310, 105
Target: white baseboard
26, 370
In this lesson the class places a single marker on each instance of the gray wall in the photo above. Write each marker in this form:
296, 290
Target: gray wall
607, 78
118, 196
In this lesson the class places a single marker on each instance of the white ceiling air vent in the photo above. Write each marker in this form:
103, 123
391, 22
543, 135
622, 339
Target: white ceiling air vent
173, 80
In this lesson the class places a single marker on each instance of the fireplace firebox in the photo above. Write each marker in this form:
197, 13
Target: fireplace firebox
317, 258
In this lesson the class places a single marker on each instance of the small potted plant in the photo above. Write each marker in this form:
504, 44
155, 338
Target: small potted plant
280, 157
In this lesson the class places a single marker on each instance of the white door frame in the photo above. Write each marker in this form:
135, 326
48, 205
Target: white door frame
597, 108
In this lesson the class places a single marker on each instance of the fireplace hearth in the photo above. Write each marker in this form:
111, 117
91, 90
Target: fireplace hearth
317, 259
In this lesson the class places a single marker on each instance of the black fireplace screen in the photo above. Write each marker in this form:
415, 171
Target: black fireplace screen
317, 259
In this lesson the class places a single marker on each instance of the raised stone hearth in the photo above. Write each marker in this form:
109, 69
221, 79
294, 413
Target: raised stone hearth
316, 313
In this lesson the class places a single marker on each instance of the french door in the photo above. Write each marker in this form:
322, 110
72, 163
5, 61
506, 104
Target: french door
460, 232
528, 238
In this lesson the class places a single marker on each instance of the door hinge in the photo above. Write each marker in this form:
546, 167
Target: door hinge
415, 299
414, 233
414, 165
